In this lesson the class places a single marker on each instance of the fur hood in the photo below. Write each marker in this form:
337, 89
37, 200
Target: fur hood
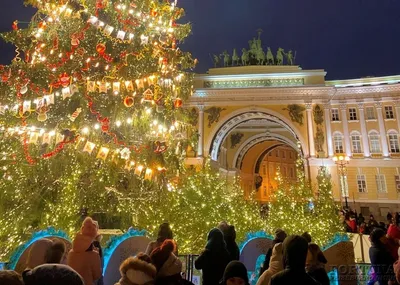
136, 272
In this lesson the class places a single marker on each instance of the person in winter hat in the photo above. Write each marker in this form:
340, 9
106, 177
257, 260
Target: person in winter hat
235, 274
83, 256
9, 277
168, 266
137, 271
381, 259
214, 259
315, 264
164, 233
275, 265
295, 250
280, 236
230, 240
52, 274
37, 253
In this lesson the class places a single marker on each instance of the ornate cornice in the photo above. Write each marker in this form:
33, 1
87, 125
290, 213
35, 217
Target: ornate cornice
275, 95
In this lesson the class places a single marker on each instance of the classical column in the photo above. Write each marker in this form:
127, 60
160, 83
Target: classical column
200, 145
382, 129
397, 106
310, 129
329, 142
364, 133
347, 144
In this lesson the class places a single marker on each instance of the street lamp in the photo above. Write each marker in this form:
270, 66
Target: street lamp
342, 162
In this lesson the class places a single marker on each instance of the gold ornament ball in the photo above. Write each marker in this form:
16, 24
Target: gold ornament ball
42, 117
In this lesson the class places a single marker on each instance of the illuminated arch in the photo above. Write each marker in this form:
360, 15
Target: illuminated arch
260, 138
224, 127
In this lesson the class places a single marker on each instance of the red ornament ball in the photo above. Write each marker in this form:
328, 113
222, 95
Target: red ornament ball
129, 101
105, 128
178, 103
101, 48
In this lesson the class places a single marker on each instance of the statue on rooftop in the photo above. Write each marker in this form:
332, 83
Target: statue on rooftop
260, 56
235, 58
289, 58
270, 57
279, 56
227, 58
245, 57
216, 60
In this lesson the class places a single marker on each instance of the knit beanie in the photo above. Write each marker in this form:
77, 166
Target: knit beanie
9, 277
235, 269
161, 254
52, 274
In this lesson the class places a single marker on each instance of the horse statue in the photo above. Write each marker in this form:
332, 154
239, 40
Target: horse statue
279, 56
227, 58
235, 58
245, 57
270, 57
260, 56
216, 60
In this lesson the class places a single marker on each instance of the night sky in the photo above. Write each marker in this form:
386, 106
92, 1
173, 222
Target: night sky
347, 38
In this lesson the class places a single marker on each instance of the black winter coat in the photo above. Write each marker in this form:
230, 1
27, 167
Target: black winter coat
382, 262
320, 275
233, 249
212, 264
288, 276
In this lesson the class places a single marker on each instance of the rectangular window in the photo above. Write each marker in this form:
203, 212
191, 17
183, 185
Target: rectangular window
356, 143
361, 184
265, 190
335, 115
264, 170
380, 183
291, 172
370, 113
375, 144
283, 154
284, 172
397, 182
338, 143
277, 153
290, 154
394, 143
389, 112
352, 114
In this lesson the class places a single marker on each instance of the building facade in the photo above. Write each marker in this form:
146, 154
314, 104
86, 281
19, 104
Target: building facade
254, 120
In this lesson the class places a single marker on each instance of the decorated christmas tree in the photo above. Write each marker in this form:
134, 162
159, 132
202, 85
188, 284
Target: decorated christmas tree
92, 121
91, 111
296, 208
199, 202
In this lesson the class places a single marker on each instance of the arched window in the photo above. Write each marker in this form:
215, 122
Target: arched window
393, 141
356, 142
374, 142
338, 142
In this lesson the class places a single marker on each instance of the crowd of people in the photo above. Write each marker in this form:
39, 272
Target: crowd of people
290, 260
354, 223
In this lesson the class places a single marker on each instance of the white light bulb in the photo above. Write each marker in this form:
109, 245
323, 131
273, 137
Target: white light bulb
118, 123
97, 126
85, 130
129, 121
